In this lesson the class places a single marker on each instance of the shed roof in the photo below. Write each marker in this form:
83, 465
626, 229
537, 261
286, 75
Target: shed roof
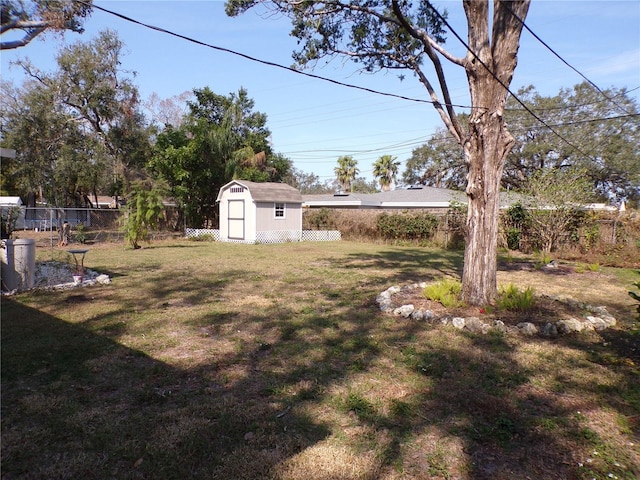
266, 191
10, 201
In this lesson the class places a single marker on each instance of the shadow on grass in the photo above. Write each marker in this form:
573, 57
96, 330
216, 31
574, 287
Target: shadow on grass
77, 405
408, 264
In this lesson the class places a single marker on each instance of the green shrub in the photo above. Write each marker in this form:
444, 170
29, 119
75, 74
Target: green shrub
543, 259
456, 225
322, 219
587, 267
513, 299
446, 291
407, 226
513, 238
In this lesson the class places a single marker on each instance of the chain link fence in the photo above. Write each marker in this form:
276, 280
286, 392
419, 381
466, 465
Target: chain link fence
88, 225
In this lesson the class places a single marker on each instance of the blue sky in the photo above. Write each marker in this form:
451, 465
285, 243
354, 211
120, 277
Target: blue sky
314, 122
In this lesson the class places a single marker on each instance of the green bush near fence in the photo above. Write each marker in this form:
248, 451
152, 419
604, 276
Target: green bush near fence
407, 226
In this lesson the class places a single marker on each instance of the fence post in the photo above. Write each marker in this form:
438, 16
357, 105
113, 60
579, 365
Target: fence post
51, 226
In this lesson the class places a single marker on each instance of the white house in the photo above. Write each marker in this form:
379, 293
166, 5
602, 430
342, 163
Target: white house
253, 212
417, 197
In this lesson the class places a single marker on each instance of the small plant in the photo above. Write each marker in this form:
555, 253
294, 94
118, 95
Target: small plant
446, 291
543, 259
587, 267
359, 405
513, 299
81, 233
143, 212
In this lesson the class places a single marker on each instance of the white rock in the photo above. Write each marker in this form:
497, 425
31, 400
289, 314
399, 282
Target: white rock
500, 326
569, 325
458, 322
598, 323
386, 306
475, 325
601, 310
405, 310
527, 328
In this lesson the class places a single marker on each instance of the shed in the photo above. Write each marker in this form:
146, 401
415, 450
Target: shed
255, 212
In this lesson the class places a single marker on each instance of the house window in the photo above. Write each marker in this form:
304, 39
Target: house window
279, 210
237, 189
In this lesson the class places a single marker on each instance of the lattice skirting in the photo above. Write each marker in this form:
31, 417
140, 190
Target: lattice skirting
282, 236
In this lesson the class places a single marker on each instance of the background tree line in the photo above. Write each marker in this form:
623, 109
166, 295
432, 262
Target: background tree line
81, 131
600, 138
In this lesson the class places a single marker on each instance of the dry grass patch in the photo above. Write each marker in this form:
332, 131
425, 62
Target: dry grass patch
218, 361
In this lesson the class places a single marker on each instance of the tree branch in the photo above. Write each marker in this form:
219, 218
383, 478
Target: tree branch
450, 118
30, 35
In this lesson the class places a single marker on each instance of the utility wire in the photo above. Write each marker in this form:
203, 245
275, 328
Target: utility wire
531, 112
258, 60
506, 5
357, 87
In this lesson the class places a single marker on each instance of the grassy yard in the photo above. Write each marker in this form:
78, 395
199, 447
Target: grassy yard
222, 361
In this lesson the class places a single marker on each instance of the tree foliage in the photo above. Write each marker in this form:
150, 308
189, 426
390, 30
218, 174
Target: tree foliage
438, 163
346, 172
307, 183
77, 130
600, 135
385, 170
32, 18
222, 138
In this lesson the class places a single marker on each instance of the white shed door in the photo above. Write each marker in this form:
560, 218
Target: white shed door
236, 219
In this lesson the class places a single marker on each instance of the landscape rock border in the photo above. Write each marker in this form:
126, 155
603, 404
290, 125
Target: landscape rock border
596, 319
54, 275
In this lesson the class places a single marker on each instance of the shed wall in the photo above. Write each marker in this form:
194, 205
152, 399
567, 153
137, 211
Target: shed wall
266, 221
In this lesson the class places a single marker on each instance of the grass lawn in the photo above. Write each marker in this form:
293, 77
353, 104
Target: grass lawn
223, 361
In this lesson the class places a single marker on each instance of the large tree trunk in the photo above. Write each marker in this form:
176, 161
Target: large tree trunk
490, 64
486, 151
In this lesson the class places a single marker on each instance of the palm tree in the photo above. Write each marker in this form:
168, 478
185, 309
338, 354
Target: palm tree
385, 169
346, 171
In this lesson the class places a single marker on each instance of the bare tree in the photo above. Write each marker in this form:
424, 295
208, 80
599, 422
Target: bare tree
397, 35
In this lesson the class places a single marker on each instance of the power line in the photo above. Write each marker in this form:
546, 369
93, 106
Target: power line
258, 60
505, 4
343, 84
506, 87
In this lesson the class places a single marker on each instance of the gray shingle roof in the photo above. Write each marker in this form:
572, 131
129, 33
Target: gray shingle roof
402, 198
267, 191
416, 197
